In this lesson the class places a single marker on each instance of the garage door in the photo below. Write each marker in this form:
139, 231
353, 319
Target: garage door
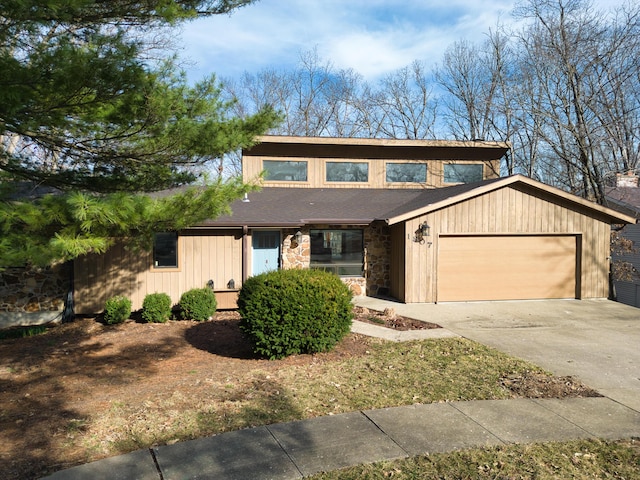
506, 267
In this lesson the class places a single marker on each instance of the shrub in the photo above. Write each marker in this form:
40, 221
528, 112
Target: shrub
156, 308
198, 304
117, 309
286, 312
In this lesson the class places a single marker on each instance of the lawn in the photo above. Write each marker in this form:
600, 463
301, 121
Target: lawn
84, 391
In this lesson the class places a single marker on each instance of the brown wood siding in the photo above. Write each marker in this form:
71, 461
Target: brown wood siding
397, 268
203, 256
510, 210
252, 167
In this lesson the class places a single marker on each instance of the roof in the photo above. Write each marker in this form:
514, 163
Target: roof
282, 207
624, 199
376, 148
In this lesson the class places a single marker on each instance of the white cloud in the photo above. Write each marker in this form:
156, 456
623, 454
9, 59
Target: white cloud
372, 37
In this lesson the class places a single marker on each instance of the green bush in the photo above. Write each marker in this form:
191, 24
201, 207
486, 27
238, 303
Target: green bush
117, 309
198, 304
156, 308
287, 312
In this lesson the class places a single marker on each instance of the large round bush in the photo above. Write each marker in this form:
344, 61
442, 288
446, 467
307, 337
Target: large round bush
286, 312
198, 304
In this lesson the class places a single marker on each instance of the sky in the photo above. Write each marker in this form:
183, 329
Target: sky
372, 37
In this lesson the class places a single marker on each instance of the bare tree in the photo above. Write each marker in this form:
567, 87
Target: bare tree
572, 54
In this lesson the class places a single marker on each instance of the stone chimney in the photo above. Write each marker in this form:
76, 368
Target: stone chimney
629, 179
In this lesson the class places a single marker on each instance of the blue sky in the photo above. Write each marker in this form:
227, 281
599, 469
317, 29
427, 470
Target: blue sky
372, 37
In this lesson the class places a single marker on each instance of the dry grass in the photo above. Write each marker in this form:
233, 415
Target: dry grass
85, 391
578, 460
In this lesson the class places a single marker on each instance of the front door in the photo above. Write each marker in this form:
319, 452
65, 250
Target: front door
266, 251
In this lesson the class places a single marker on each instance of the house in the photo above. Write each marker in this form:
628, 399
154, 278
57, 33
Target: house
625, 197
417, 220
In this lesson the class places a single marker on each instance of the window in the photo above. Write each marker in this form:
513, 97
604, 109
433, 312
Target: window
406, 172
462, 173
165, 250
347, 172
338, 251
285, 171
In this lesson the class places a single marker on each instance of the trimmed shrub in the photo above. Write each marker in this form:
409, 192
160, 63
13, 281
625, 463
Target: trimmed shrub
286, 312
198, 304
117, 309
156, 308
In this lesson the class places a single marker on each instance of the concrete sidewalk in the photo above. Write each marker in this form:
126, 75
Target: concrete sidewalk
298, 449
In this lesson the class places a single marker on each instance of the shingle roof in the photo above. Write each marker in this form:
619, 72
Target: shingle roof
339, 206
624, 199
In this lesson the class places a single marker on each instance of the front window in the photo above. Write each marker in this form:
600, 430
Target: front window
285, 171
338, 251
165, 250
347, 172
462, 173
406, 172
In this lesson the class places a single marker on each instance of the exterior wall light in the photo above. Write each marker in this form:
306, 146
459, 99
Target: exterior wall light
297, 238
231, 284
423, 231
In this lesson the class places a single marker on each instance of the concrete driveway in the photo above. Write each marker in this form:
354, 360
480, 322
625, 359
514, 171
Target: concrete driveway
596, 341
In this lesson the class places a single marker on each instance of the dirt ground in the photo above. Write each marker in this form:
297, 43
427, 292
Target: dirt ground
49, 384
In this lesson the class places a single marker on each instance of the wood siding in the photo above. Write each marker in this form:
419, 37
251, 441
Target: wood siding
509, 210
252, 166
202, 256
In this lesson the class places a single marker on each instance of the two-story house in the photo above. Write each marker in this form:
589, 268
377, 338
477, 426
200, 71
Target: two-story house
417, 220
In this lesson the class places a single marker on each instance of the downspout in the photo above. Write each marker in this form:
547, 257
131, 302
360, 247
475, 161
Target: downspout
245, 252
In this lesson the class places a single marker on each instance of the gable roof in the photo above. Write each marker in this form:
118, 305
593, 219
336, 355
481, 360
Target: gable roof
282, 207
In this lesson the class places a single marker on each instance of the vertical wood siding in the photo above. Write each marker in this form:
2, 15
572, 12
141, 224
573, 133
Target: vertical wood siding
316, 175
510, 210
203, 256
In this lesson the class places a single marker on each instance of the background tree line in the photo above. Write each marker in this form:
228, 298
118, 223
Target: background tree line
563, 86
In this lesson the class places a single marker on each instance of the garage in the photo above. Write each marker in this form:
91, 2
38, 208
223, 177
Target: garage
506, 267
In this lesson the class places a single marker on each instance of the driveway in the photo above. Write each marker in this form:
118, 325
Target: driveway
596, 341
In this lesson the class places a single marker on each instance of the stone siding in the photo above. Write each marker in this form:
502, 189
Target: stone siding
377, 245
34, 290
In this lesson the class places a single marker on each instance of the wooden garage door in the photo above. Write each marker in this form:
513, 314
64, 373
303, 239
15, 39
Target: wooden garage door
506, 267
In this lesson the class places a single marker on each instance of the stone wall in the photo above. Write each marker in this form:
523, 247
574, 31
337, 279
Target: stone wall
377, 245
34, 290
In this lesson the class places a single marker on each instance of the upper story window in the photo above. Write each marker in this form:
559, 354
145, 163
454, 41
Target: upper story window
463, 172
347, 172
285, 171
165, 250
406, 172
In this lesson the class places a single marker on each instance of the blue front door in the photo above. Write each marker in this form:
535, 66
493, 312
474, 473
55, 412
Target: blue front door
266, 251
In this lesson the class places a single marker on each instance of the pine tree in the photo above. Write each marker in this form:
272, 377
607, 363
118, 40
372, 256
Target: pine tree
95, 108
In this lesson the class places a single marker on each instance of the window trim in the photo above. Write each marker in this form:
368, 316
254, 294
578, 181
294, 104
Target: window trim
177, 267
327, 265
359, 182
444, 179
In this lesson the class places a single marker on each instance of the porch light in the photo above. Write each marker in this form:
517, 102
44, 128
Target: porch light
231, 284
422, 231
298, 237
